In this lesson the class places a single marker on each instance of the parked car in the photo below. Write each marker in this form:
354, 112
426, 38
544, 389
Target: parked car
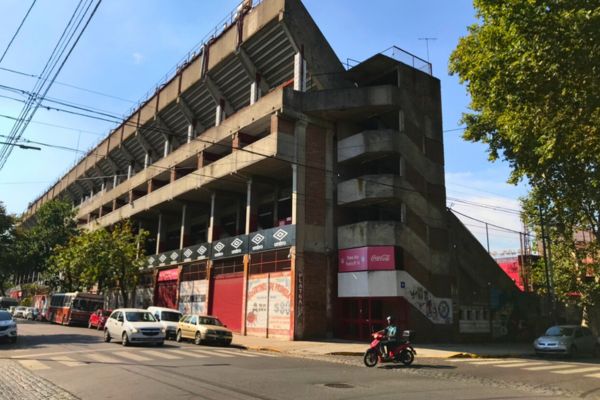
568, 340
20, 312
168, 318
133, 325
32, 313
98, 319
203, 328
8, 327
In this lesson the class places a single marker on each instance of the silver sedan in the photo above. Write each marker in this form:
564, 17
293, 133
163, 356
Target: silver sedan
567, 340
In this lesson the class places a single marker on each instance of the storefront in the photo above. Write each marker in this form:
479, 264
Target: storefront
166, 288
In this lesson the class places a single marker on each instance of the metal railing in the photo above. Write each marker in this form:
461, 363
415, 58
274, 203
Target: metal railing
219, 28
398, 54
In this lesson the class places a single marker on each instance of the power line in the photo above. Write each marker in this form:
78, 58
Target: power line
17, 31
14, 71
490, 224
56, 62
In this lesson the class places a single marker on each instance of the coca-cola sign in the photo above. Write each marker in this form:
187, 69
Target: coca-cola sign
374, 258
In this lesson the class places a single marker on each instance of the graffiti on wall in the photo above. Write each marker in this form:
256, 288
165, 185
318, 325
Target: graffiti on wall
192, 297
437, 309
268, 304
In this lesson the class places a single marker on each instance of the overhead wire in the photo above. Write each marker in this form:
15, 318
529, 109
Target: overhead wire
17, 31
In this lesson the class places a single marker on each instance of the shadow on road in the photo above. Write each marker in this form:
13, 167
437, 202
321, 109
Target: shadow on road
417, 366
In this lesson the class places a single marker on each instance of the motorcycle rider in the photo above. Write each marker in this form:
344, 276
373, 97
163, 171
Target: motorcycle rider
391, 336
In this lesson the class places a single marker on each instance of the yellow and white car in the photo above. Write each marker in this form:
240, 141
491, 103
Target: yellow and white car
203, 328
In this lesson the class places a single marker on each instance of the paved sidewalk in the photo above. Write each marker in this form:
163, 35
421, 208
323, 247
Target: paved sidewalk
343, 347
18, 383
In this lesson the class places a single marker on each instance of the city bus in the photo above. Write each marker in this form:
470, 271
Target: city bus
73, 308
6, 302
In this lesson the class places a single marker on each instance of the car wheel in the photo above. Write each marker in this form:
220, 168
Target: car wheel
178, 337
198, 338
106, 336
124, 339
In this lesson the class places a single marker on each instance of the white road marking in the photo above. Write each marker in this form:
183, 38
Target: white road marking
549, 367
212, 353
577, 370
464, 359
492, 362
188, 353
131, 356
593, 375
237, 353
265, 354
160, 354
102, 358
67, 361
520, 364
33, 365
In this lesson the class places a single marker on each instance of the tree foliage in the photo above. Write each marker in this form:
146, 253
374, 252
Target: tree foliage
7, 245
109, 259
532, 69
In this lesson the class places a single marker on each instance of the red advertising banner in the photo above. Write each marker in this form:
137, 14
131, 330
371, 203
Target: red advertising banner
168, 275
375, 258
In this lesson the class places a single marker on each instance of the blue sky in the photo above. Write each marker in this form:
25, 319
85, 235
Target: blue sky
131, 44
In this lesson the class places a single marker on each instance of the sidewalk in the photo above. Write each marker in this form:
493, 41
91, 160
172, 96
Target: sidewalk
343, 347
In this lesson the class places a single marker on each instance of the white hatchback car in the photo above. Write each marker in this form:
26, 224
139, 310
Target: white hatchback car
133, 325
8, 327
168, 318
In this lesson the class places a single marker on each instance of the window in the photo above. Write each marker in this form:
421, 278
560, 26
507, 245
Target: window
194, 320
194, 272
186, 319
115, 315
270, 261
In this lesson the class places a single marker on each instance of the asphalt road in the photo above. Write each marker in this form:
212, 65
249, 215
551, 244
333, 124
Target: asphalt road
76, 360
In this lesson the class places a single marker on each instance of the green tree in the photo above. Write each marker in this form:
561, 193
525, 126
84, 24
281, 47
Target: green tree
7, 248
532, 69
102, 258
54, 226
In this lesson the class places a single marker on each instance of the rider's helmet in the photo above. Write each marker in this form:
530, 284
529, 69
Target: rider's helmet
390, 319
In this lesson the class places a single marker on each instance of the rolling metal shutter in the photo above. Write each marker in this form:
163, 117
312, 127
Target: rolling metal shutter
226, 293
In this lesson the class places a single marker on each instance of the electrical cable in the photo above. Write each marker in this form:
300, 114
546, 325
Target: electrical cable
17, 31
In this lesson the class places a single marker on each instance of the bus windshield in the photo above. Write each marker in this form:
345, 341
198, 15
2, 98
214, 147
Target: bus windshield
86, 305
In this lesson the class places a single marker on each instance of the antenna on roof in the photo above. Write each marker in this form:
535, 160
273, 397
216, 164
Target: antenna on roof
427, 39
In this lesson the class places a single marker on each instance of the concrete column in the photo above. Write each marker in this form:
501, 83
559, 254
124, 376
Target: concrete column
103, 187
237, 217
248, 205
211, 224
92, 193
220, 114
299, 72
190, 133
146, 160
185, 228
255, 92
115, 181
159, 232
294, 193
129, 170
167, 147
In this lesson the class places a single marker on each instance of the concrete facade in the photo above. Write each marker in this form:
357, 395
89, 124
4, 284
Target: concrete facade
263, 161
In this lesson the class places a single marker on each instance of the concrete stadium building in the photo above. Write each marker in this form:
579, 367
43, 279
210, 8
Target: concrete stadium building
288, 194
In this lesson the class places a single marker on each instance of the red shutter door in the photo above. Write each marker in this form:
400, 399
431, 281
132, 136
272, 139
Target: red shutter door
166, 294
226, 293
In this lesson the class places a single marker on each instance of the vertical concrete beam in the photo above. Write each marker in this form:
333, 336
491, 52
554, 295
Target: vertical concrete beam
185, 228
129, 170
275, 206
159, 232
146, 160
211, 225
115, 180
114, 204
190, 133
299, 72
248, 205
220, 113
167, 146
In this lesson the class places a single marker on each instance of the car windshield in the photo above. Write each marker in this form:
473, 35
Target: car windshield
4, 316
210, 321
170, 316
139, 316
559, 331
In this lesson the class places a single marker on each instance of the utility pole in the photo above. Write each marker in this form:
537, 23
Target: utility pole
487, 237
427, 39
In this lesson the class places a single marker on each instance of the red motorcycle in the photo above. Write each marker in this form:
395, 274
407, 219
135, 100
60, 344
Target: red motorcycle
401, 352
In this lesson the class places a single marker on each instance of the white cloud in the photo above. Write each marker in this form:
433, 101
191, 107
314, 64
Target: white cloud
138, 58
